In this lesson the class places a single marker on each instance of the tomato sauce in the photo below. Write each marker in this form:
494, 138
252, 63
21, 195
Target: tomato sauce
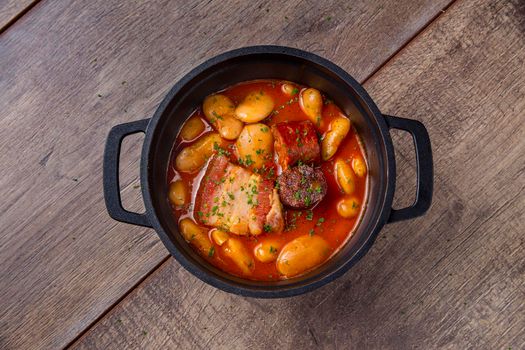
322, 220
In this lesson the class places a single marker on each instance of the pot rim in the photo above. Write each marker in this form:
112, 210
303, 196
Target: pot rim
376, 225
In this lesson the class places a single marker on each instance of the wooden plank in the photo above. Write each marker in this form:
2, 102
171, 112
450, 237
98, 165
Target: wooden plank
450, 280
11, 10
70, 71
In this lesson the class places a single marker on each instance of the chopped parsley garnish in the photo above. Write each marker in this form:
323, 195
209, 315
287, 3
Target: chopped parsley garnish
248, 160
268, 228
295, 91
320, 221
217, 116
308, 200
211, 252
265, 129
273, 250
232, 197
220, 151
311, 232
309, 215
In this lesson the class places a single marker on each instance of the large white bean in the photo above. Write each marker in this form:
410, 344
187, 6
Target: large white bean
236, 251
192, 128
348, 207
255, 145
311, 103
302, 254
255, 107
178, 193
337, 131
345, 176
267, 251
219, 111
193, 157
219, 236
359, 166
197, 236
289, 89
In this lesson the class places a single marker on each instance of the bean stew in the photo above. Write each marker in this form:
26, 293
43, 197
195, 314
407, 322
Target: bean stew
267, 179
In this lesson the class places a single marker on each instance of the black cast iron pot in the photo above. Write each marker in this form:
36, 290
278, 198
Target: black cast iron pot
268, 62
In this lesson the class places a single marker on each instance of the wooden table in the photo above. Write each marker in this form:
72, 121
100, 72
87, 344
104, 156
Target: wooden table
72, 277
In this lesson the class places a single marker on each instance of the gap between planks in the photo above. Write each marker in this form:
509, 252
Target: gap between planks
120, 299
18, 16
167, 258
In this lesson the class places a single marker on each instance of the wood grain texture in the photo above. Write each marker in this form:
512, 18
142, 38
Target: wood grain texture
11, 10
454, 279
70, 71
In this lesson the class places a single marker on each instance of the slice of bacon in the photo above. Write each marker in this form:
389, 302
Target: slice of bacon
236, 200
296, 141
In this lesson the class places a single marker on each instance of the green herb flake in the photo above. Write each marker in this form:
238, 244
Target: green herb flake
267, 228
211, 252
308, 200
248, 160
309, 215
220, 151
311, 232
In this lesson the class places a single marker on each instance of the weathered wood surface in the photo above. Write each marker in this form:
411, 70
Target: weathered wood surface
454, 279
11, 10
70, 71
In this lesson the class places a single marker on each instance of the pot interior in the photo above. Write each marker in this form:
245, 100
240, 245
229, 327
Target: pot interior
216, 75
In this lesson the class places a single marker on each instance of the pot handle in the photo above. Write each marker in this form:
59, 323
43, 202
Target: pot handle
111, 173
425, 170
